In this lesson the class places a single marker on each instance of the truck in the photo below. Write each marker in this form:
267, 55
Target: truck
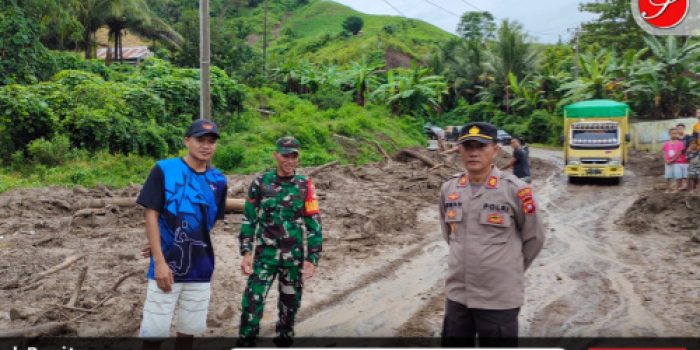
595, 140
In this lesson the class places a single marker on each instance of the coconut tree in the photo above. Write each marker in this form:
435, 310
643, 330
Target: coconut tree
510, 53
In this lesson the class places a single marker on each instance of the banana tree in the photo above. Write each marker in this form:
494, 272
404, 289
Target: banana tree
598, 78
361, 79
411, 92
526, 94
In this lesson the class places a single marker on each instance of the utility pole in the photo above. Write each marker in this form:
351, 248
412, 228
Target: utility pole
577, 34
204, 61
265, 43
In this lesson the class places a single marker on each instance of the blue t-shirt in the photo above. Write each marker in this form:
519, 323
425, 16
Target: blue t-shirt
189, 203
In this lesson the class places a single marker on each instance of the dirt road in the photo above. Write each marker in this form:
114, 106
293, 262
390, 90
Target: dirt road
618, 260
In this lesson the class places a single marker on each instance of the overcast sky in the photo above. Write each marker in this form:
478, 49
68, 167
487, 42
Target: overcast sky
545, 20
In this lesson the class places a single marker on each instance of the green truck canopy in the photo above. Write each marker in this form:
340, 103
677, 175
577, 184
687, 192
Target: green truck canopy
597, 108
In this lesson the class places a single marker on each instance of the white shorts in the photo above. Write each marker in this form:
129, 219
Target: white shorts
191, 301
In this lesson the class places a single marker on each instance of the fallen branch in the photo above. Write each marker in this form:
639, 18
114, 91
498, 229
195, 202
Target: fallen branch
31, 280
75, 308
51, 328
437, 167
122, 279
321, 168
427, 161
68, 262
78, 285
382, 151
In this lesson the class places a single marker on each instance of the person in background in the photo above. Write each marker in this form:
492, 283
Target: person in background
520, 162
673, 151
693, 156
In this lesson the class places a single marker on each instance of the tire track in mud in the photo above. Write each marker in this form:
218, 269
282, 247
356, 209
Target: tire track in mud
383, 299
579, 286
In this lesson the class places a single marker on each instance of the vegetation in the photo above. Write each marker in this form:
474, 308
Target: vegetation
336, 79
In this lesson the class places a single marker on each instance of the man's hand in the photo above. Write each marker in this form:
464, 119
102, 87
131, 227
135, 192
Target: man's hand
247, 264
308, 270
146, 251
164, 276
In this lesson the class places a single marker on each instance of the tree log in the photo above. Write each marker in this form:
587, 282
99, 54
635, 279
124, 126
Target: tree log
427, 161
78, 285
235, 205
321, 168
51, 328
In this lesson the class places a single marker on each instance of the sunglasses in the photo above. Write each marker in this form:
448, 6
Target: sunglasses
290, 156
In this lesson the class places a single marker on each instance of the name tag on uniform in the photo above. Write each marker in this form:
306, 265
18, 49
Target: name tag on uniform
453, 214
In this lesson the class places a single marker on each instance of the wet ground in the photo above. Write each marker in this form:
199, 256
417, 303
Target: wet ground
619, 260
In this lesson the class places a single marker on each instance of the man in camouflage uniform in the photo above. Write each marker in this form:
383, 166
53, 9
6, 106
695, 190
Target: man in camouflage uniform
494, 231
278, 202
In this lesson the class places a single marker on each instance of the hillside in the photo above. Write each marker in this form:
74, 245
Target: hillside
314, 32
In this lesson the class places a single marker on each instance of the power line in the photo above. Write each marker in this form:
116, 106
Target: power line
472, 6
395, 9
499, 19
442, 8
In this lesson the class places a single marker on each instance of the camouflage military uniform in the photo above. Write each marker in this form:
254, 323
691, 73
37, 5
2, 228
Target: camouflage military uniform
273, 213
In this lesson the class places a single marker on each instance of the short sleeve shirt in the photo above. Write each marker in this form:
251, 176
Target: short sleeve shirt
521, 168
672, 148
188, 203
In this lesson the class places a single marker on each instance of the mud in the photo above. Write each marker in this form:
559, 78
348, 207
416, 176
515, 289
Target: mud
619, 260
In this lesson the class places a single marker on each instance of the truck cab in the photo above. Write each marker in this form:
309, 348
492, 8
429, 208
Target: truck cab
595, 139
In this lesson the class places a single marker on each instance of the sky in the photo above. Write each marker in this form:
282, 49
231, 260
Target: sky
544, 20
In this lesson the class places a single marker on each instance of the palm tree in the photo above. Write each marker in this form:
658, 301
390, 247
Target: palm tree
120, 15
463, 64
510, 53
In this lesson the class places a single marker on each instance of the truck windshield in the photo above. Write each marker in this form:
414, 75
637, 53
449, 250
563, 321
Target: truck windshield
598, 135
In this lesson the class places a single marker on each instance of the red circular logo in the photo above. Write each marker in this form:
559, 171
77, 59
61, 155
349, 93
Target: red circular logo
663, 13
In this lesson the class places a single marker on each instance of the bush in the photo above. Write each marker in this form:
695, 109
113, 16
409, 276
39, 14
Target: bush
24, 116
229, 157
353, 24
72, 78
51, 152
543, 127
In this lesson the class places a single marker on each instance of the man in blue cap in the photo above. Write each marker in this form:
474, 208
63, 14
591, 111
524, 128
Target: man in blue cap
183, 197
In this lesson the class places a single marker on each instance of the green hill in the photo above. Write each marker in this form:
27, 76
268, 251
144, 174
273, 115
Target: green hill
315, 32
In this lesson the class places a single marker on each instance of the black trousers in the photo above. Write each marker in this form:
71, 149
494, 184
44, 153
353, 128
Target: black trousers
494, 328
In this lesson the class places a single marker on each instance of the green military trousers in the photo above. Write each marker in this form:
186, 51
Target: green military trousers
259, 283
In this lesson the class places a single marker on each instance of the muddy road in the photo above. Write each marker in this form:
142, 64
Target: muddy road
619, 260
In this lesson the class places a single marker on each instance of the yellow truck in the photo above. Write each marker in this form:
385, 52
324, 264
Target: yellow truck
596, 134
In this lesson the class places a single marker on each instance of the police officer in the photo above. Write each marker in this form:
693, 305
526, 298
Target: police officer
494, 231
278, 202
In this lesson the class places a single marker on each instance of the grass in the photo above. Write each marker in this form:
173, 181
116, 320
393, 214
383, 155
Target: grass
101, 168
316, 35
345, 134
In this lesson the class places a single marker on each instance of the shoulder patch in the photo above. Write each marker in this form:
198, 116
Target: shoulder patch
311, 202
492, 182
463, 181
